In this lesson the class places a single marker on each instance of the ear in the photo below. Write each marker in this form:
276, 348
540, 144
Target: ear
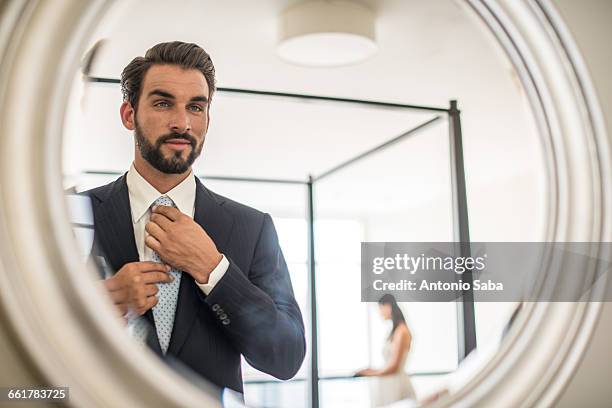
127, 115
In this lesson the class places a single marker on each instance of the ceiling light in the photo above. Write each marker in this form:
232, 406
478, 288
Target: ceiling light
327, 33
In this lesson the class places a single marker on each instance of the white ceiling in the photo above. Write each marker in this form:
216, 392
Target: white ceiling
430, 51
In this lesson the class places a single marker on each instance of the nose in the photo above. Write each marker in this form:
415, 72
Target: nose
179, 122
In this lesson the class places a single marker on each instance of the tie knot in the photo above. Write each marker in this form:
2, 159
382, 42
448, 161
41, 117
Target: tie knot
163, 200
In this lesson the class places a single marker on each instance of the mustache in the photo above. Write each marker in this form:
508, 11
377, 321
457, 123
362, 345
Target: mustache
185, 136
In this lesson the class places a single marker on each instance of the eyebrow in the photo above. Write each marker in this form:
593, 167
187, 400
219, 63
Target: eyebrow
164, 94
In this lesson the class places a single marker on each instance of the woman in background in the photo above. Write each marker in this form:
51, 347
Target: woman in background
391, 383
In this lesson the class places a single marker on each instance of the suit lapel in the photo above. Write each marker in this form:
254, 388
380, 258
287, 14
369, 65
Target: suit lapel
217, 222
115, 235
114, 228
213, 218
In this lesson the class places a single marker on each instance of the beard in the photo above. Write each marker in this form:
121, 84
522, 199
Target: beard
175, 164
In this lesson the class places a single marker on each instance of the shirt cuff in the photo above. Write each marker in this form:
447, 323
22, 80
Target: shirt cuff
215, 276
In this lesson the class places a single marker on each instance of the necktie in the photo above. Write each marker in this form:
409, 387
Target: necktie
167, 296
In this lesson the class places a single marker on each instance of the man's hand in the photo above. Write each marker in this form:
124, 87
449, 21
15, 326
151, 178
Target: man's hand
181, 242
134, 286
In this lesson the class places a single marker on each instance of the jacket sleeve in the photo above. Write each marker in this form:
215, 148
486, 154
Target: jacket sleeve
258, 309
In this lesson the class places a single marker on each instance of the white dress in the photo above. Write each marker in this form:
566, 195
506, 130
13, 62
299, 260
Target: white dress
387, 389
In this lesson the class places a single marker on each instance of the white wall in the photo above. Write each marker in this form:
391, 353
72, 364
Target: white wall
590, 23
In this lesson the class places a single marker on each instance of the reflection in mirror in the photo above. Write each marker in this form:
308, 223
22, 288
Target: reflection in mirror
196, 277
218, 280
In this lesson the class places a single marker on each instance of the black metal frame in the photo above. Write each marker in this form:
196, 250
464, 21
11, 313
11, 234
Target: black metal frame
466, 323
466, 331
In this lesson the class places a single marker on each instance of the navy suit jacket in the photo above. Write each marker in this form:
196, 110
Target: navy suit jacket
251, 310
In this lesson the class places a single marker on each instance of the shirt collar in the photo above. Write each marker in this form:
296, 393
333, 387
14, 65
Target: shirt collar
143, 195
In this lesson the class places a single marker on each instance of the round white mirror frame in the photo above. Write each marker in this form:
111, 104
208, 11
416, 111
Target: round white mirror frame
55, 313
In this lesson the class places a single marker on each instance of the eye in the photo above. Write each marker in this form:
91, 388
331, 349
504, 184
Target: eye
161, 104
196, 108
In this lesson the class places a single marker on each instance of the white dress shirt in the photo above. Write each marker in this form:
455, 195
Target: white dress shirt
143, 195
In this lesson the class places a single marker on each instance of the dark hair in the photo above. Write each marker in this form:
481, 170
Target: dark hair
396, 313
185, 55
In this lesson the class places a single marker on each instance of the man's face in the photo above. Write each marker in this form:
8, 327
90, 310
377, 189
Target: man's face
171, 121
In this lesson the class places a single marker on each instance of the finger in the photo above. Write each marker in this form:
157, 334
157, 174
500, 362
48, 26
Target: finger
119, 296
137, 295
150, 303
150, 266
151, 290
157, 277
170, 212
153, 243
112, 284
122, 307
155, 230
164, 222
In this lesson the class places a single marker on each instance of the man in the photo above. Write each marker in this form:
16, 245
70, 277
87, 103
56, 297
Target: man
205, 271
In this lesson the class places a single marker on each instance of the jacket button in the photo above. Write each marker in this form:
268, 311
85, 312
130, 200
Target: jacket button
226, 322
223, 316
216, 307
220, 311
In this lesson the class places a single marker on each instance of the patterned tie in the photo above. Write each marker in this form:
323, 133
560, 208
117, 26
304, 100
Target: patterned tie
164, 311
138, 327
